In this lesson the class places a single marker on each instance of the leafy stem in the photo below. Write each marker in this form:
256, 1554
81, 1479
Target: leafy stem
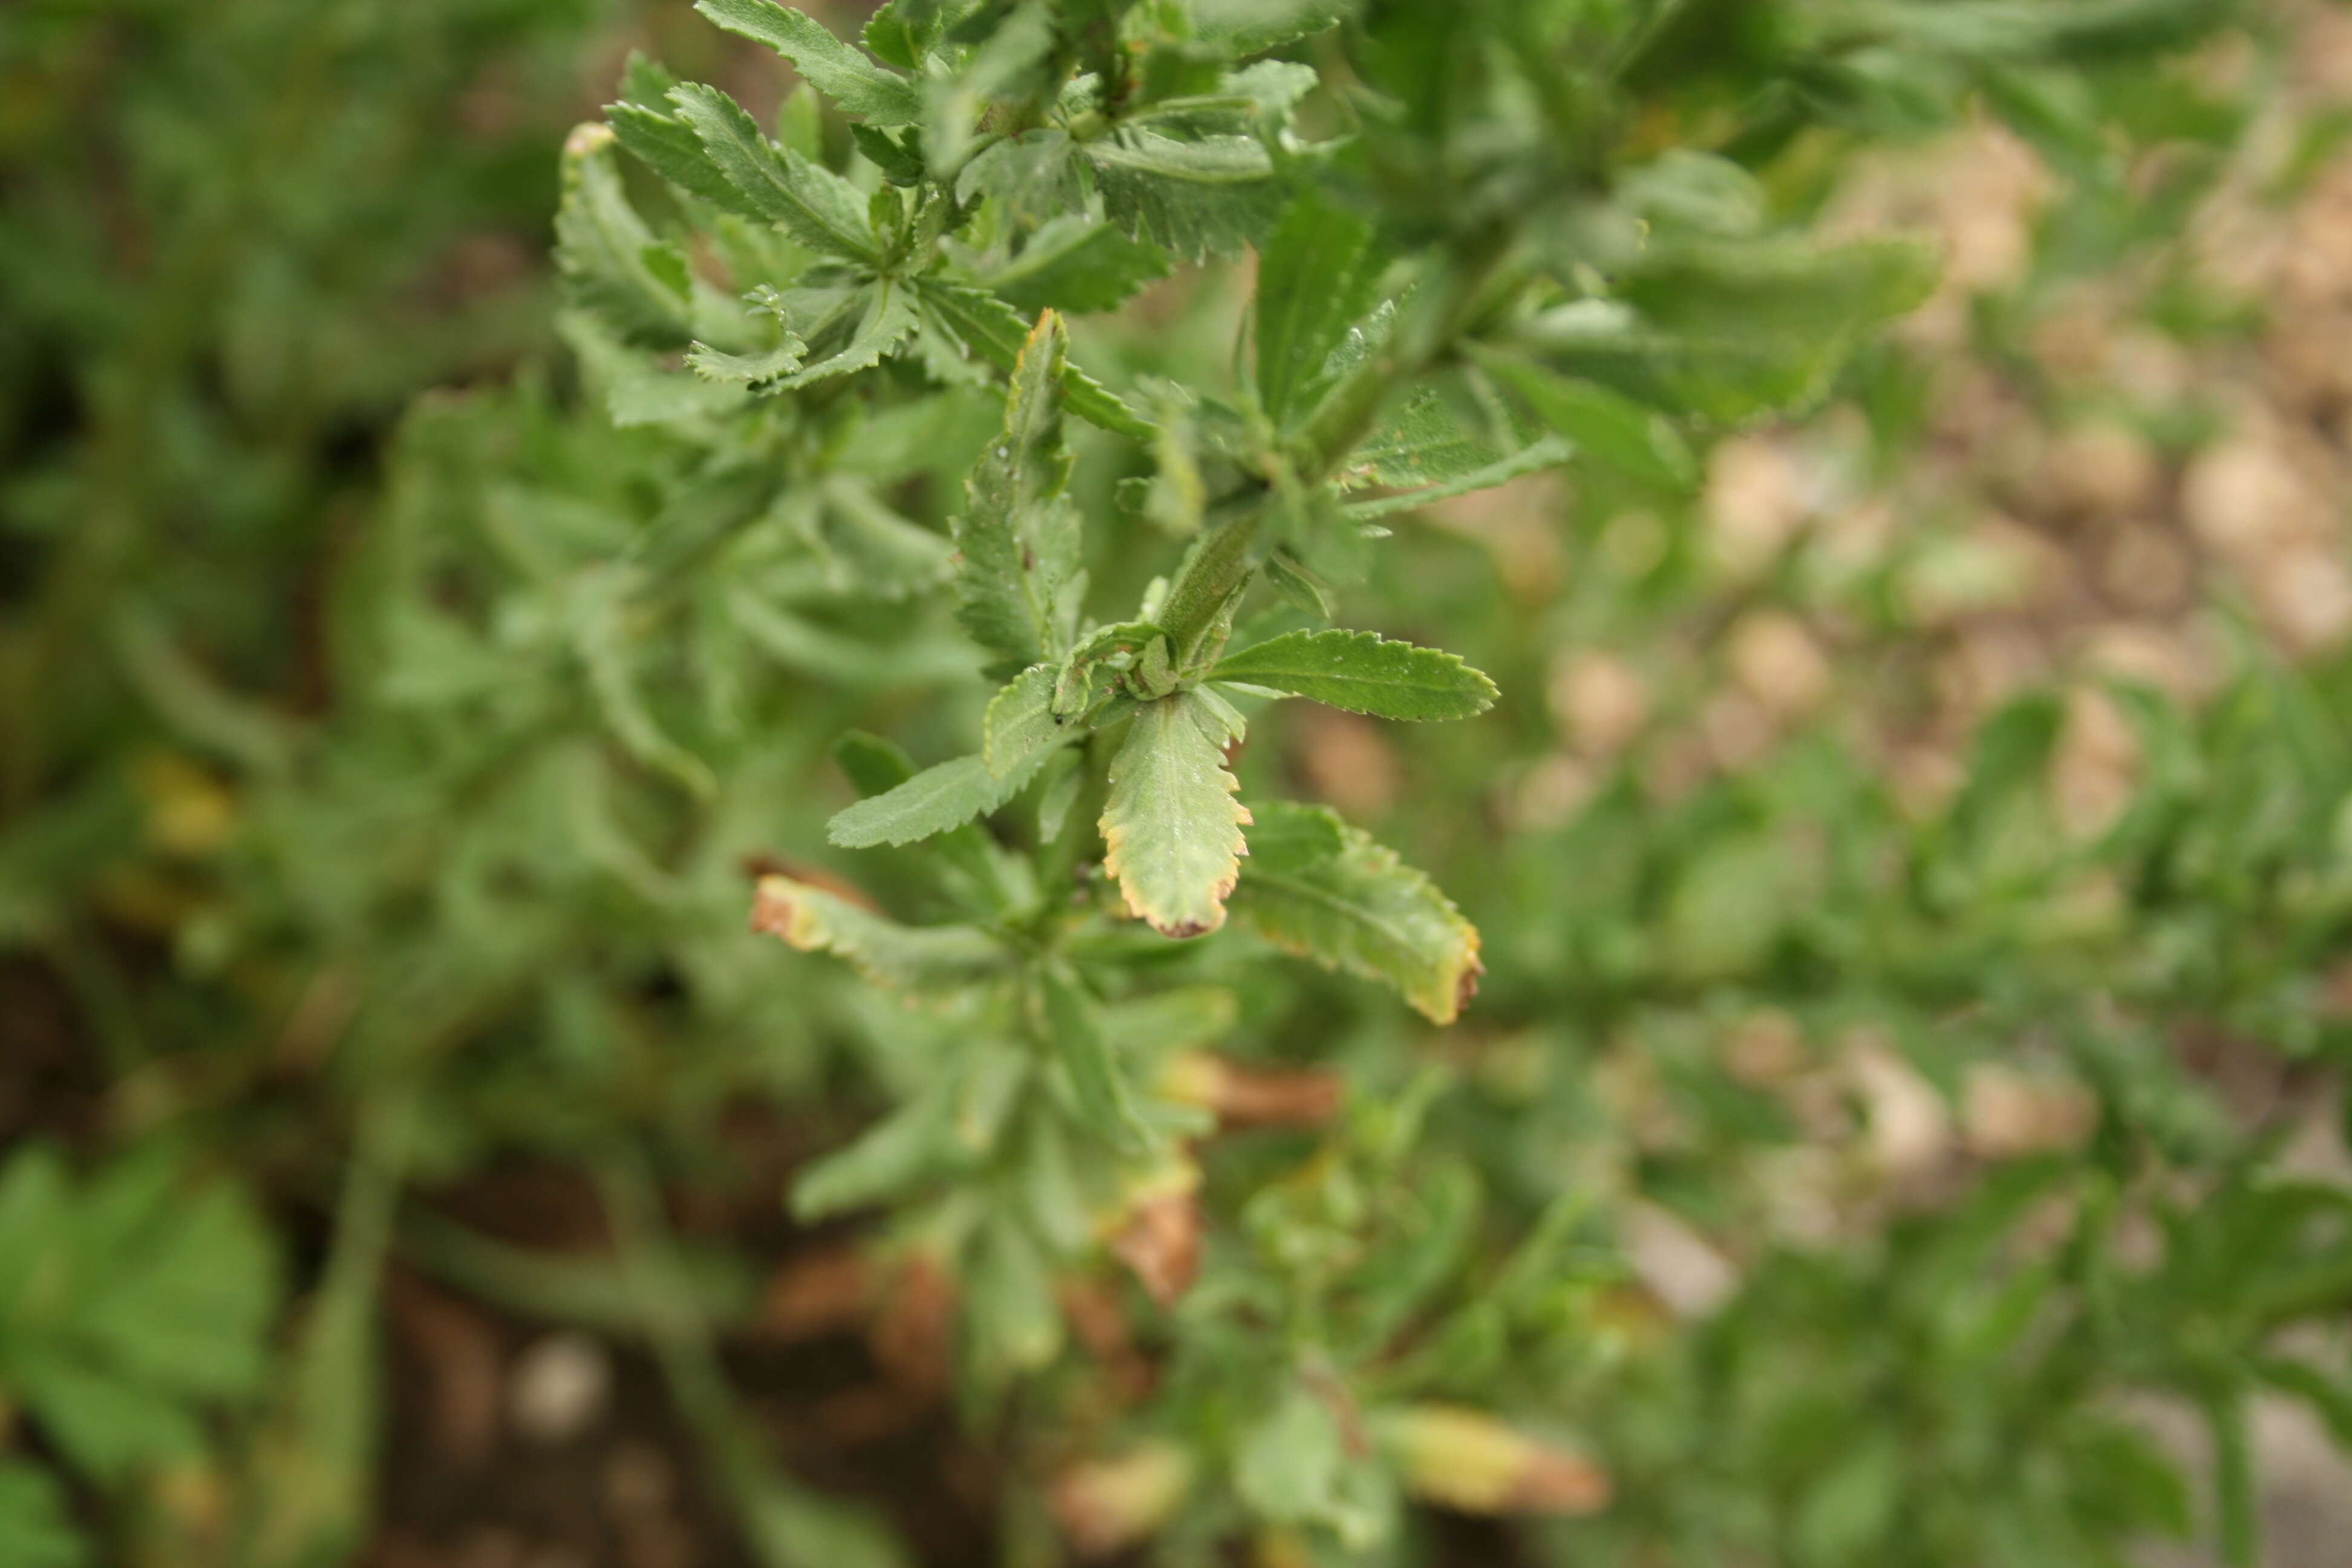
1220, 563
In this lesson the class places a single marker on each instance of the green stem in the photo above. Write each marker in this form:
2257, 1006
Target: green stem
1220, 561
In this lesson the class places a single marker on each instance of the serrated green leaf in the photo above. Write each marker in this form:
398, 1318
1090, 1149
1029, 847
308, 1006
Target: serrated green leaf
636, 391
873, 764
1020, 39
601, 245
1019, 534
933, 801
1249, 26
819, 207
758, 371
824, 60
36, 1528
875, 767
900, 163
1606, 427
1021, 725
1077, 265
1363, 673
1213, 197
669, 146
1316, 276
1299, 586
1271, 87
1324, 890
1033, 178
884, 315
1171, 826
915, 959
904, 31
1427, 442
644, 80
985, 325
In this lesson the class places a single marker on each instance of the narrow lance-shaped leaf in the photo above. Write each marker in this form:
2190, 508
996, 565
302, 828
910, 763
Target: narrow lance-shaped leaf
1316, 276
1019, 536
669, 146
903, 958
1606, 427
824, 60
822, 209
887, 1158
600, 637
1016, 1324
875, 766
1172, 825
1075, 1024
601, 247
1248, 26
1324, 890
933, 801
1536, 456
1363, 673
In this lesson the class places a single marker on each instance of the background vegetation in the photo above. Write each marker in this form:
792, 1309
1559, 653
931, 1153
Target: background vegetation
1899, 1117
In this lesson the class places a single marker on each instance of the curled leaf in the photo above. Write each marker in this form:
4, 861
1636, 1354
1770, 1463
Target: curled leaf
904, 958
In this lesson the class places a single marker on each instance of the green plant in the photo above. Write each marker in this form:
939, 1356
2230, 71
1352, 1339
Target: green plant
1474, 272
944, 405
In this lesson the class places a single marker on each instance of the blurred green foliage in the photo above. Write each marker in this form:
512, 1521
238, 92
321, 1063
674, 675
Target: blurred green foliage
412, 652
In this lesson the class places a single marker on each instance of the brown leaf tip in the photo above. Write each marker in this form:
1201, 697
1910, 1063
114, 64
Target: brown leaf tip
1161, 1243
1466, 986
773, 909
